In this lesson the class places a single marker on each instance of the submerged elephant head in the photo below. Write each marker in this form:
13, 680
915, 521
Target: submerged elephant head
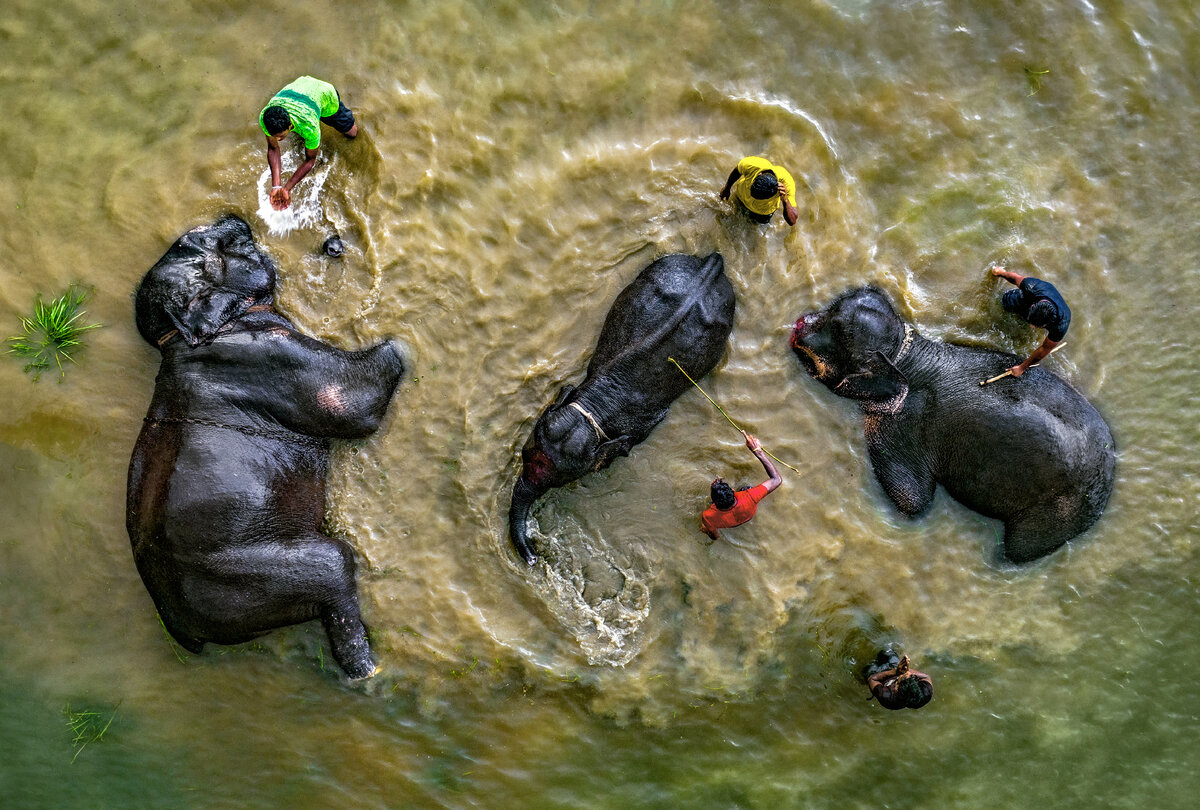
566, 444
211, 275
852, 346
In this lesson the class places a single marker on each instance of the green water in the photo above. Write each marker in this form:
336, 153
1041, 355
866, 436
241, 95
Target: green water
518, 164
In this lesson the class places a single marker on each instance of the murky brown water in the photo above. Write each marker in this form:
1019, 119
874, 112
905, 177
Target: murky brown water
519, 164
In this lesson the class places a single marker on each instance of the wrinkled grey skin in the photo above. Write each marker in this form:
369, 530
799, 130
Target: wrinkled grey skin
226, 489
1031, 452
680, 306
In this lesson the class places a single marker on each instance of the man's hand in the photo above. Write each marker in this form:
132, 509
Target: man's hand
280, 198
1018, 370
751, 442
783, 189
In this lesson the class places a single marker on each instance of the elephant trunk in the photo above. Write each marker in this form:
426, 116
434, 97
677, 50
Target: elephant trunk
523, 497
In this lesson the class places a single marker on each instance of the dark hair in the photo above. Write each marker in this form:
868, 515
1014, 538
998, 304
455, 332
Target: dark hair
1042, 313
722, 495
765, 186
913, 692
276, 120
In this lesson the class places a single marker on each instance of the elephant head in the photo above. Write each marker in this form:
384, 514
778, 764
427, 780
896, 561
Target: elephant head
567, 442
211, 275
852, 347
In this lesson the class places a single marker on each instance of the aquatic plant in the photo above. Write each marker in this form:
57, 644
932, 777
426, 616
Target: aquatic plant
86, 725
1034, 77
180, 654
53, 333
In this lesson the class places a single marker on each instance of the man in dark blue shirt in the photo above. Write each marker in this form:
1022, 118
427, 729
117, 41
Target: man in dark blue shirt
1038, 303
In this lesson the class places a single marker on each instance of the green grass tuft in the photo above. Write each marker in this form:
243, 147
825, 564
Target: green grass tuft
53, 334
87, 726
1033, 77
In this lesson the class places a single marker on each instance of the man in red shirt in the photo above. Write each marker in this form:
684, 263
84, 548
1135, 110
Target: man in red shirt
730, 508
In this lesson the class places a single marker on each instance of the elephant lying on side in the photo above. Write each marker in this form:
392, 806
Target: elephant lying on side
1031, 452
227, 482
679, 306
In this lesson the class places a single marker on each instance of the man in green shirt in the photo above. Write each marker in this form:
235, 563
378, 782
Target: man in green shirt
301, 107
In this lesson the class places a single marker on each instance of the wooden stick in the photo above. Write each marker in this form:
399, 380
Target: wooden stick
722, 410
1009, 372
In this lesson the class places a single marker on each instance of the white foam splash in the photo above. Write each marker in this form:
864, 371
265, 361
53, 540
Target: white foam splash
305, 210
606, 624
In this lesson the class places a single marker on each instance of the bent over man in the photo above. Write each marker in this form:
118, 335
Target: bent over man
301, 107
760, 187
1038, 303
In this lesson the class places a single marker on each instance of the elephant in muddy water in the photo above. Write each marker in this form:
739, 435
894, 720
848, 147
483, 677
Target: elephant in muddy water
226, 491
1031, 452
679, 306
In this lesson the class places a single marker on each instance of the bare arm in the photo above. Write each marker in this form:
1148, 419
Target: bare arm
733, 176
881, 678
274, 162
1008, 275
789, 211
279, 197
1040, 353
310, 160
755, 446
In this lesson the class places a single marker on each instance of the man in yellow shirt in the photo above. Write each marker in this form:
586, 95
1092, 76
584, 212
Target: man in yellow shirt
760, 186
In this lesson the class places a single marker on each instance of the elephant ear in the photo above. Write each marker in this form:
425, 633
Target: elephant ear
207, 312
563, 393
879, 382
608, 452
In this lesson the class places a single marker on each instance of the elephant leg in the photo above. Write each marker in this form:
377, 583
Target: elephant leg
283, 582
910, 484
1028, 538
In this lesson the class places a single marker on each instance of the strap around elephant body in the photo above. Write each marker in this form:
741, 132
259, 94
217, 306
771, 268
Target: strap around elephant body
600, 434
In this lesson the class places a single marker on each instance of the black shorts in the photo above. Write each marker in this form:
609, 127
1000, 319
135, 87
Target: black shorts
761, 219
342, 120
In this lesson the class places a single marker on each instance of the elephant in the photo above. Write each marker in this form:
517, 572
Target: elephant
678, 307
1031, 452
226, 490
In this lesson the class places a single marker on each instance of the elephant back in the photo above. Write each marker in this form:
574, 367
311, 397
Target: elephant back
679, 306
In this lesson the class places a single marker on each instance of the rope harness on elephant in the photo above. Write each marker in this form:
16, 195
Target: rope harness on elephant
262, 433
600, 434
165, 339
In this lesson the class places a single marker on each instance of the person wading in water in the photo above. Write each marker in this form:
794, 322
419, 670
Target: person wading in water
301, 107
898, 687
729, 508
1038, 303
760, 187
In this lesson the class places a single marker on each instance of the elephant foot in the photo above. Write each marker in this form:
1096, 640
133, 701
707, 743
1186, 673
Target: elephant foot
1029, 540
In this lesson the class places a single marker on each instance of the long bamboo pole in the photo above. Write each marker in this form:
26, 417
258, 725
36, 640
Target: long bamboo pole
722, 410
1009, 372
